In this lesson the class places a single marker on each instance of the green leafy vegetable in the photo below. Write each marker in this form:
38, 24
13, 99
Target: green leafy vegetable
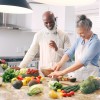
9, 74
55, 85
35, 89
89, 85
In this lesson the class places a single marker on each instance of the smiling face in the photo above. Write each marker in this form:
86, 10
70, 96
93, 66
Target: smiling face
83, 32
84, 26
49, 20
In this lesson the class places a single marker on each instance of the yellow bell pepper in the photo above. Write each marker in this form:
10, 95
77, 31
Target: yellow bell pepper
24, 82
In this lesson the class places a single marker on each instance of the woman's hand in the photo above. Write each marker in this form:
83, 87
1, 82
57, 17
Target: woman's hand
56, 67
56, 74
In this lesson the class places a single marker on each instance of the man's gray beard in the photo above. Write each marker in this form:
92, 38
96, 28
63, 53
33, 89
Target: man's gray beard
53, 31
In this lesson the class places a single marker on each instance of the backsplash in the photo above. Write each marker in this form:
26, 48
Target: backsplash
14, 42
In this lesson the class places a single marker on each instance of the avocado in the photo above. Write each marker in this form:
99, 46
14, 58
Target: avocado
32, 82
17, 84
72, 79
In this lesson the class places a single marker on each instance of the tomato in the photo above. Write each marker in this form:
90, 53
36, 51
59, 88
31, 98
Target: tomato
38, 80
35, 70
28, 71
19, 78
64, 94
69, 94
72, 92
32, 71
39, 77
63, 91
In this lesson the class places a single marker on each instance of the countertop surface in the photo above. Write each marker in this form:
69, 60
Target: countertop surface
7, 92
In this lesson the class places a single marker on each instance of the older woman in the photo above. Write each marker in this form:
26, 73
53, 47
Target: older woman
86, 50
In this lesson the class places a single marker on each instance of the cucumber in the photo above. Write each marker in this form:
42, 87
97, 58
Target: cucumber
77, 88
66, 87
71, 88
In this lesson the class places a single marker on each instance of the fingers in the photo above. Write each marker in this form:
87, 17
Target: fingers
53, 45
53, 74
57, 68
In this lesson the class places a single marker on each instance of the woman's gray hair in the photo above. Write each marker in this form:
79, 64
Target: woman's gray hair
83, 21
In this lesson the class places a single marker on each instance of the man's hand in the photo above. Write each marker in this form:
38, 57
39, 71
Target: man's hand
16, 68
56, 74
53, 45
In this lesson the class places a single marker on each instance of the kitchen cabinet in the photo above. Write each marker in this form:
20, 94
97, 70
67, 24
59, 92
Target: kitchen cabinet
21, 21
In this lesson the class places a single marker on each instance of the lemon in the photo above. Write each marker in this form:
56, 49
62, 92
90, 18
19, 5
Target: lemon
58, 90
53, 94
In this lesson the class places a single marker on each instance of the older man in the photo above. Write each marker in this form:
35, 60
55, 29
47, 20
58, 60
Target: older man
50, 42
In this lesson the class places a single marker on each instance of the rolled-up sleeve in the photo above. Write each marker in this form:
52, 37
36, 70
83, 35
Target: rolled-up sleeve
70, 52
91, 52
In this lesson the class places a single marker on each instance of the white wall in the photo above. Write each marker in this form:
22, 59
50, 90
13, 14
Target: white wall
92, 12
14, 43
88, 9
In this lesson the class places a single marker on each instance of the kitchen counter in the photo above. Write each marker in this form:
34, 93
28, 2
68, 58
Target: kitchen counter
7, 92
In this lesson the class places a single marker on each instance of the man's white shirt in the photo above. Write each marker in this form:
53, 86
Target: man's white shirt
48, 56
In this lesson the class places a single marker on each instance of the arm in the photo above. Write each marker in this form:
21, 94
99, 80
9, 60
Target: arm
31, 52
68, 55
72, 68
92, 51
61, 62
89, 55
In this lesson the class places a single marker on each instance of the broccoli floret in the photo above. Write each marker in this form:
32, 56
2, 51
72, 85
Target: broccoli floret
89, 85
